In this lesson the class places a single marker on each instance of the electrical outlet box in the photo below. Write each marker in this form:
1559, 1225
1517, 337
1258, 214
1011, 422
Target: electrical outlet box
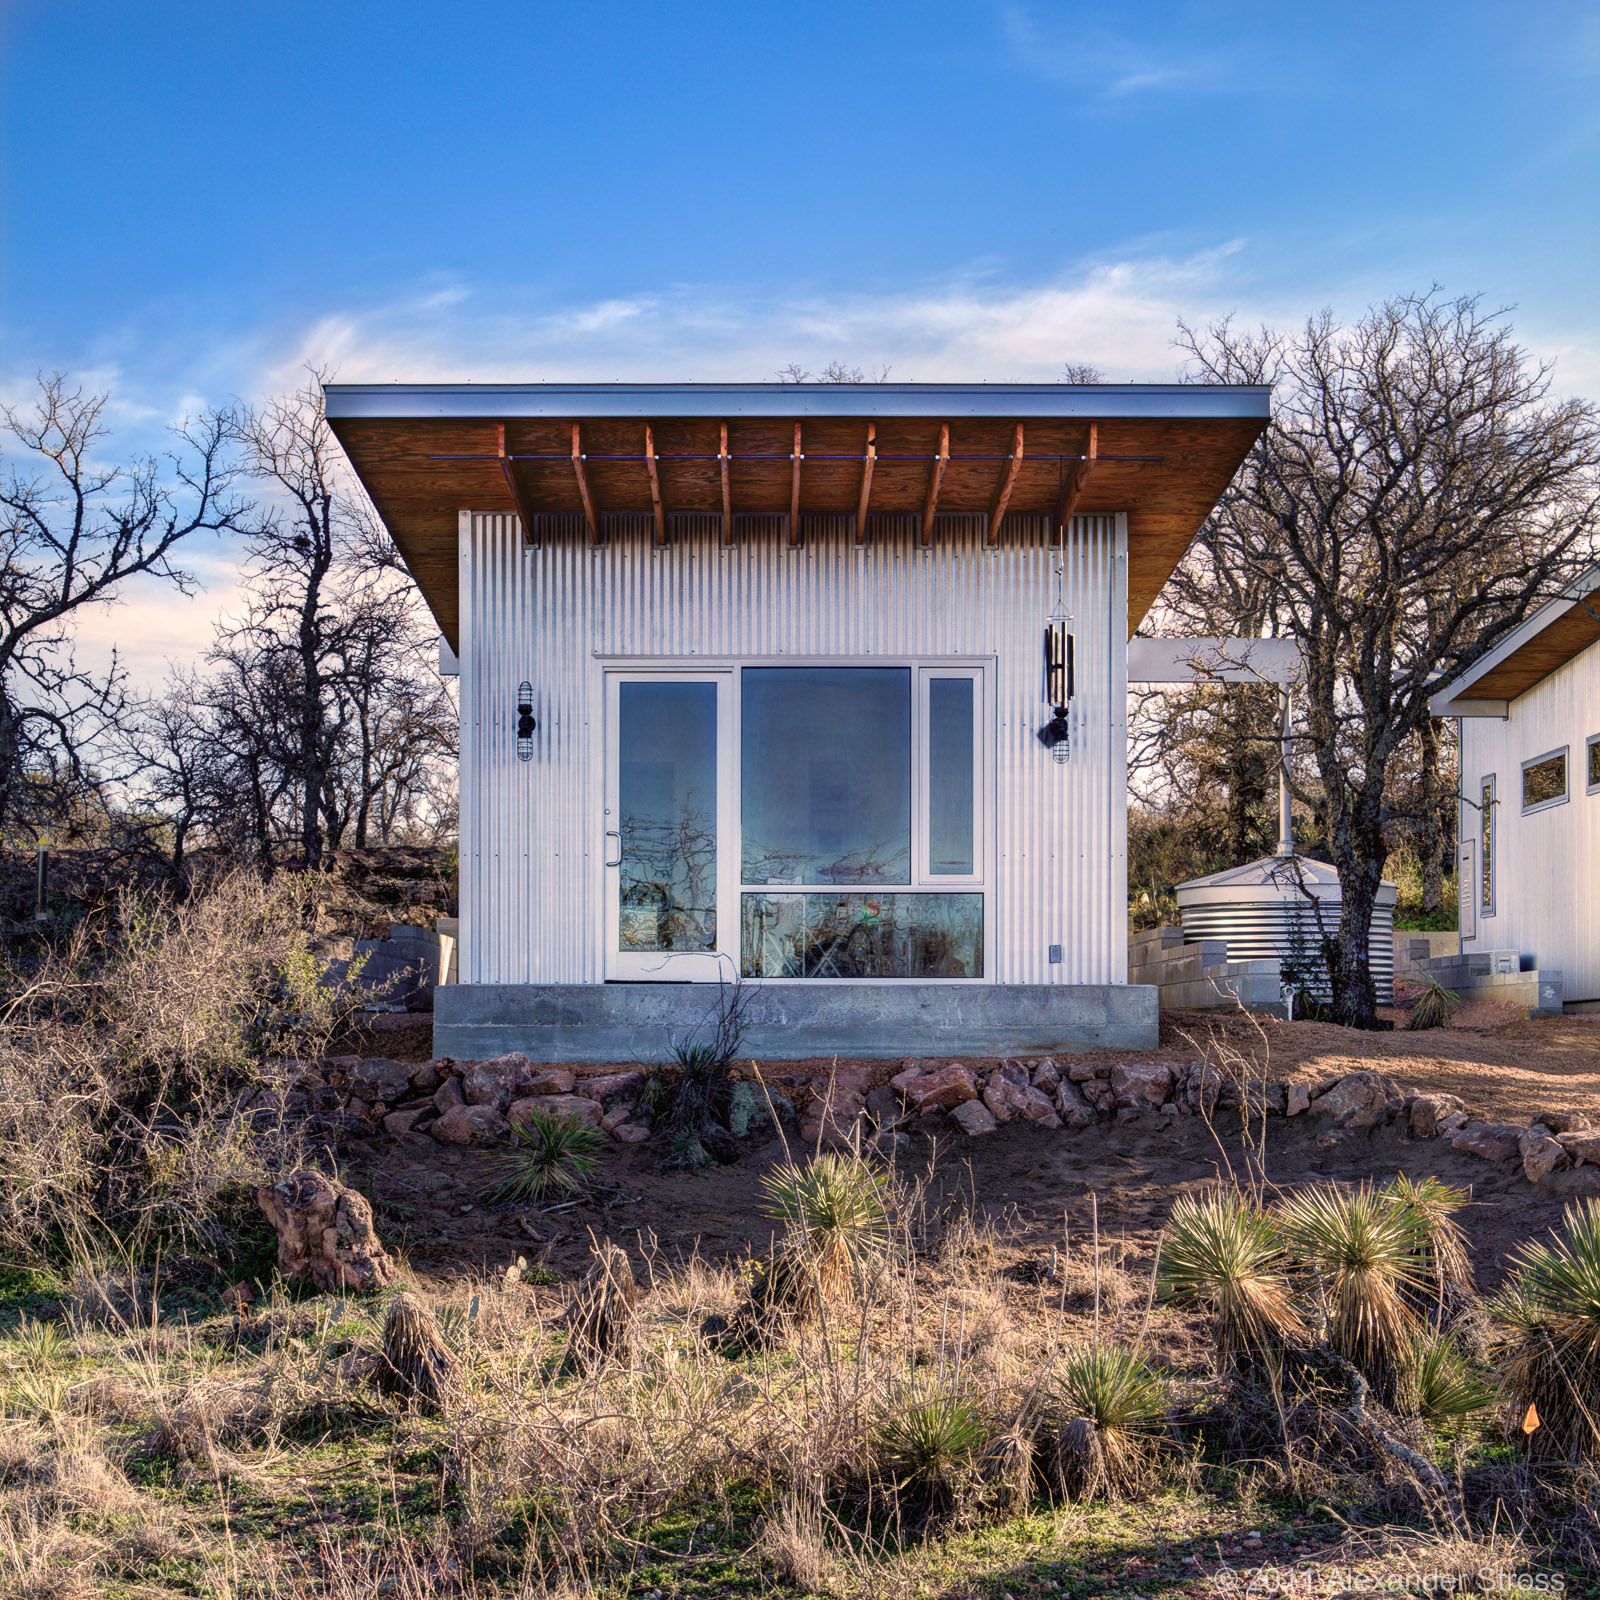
1055, 955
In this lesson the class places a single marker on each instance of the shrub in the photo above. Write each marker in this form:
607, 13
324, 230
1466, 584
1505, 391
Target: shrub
1549, 1337
1438, 1385
834, 1209
1111, 1406
1225, 1257
550, 1156
928, 1445
1368, 1255
125, 1059
1435, 1007
1446, 1253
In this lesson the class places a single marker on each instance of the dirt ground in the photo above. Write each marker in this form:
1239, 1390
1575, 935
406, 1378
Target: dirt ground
1043, 1187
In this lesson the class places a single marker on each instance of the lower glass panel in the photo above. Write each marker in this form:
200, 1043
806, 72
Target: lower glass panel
861, 935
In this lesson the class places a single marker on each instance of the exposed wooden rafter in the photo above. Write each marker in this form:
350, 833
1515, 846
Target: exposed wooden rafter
524, 515
941, 461
796, 458
655, 487
583, 484
997, 512
866, 483
1080, 477
727, 488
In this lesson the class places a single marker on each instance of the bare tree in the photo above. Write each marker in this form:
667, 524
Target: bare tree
1416, 494
75, 530
1081, 372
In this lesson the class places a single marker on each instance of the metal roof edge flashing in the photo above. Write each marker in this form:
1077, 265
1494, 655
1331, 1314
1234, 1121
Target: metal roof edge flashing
417, 401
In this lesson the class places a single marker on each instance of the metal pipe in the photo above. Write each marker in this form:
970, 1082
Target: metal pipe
1285, 810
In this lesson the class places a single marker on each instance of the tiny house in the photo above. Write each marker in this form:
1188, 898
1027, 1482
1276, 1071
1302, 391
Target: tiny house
815, 688
1529, 847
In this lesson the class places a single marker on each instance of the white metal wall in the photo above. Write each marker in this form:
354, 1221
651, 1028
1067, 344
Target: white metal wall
556, 615
1547, 869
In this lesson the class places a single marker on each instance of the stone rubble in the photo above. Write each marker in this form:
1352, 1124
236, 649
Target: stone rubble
481, 1102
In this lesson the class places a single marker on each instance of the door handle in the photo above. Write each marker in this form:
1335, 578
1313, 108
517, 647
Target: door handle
613, 833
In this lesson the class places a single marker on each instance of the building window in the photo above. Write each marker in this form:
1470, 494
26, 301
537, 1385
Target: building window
1594, 763
860, 811
1544, 780
1488, 833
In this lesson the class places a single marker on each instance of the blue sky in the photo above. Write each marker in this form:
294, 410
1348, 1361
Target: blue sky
198, 199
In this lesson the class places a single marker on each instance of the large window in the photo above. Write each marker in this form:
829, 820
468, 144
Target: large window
1594, 763
861, 814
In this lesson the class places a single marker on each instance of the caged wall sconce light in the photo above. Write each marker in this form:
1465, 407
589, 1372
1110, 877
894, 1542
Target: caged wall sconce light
526, 726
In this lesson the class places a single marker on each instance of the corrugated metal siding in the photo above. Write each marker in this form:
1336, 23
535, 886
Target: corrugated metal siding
1547, 872
1274, 927
555, 614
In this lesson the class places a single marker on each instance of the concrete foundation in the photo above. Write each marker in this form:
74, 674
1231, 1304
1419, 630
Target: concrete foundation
641, 1021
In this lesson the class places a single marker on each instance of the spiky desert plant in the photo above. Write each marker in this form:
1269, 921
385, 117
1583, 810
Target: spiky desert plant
1368, 1257
835, 1208
1548, 1320
550, 1156
603, 1316
1447, 1249
1439, 1385
1435, 1006
1224, 1256
928, 1442
416, 1363
1110, 1407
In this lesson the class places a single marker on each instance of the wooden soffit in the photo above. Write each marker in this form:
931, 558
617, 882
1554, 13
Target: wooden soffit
1544, 644
1164, 468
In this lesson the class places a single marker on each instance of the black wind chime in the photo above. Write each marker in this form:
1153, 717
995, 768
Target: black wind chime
1059, 687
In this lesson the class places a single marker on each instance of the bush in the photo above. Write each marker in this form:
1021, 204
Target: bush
126, 1060
550, 1156
1224, 1256
1549, 1343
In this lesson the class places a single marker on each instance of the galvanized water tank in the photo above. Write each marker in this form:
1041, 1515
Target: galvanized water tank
1283, 906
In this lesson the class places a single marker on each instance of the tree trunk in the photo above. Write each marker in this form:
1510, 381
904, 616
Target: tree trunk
1431, 844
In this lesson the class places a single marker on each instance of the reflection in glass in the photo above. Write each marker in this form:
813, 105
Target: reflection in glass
950, 775
861, 935
667, 794
826, 759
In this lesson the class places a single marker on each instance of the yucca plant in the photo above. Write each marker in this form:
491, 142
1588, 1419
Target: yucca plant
550, 1157
1368, 1255
1110, 1405
1435, 1006
835, 1210
1549, 1335
1447, 1251
1224, 1256
928, 1445
1439, 1385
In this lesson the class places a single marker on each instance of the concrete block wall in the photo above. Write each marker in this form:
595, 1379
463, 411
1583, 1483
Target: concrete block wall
1200, 977
1411, 947
1498, 975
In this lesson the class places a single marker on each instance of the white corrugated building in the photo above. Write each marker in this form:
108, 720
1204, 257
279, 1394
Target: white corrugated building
752, 681
1529, 715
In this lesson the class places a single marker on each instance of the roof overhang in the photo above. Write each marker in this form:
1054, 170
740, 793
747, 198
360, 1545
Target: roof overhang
1546, 642
1161, 453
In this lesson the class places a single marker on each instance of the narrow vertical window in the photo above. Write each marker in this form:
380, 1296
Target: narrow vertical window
950, 776
1488, 846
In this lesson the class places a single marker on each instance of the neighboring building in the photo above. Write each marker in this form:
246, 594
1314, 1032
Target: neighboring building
751, 681
1530, 795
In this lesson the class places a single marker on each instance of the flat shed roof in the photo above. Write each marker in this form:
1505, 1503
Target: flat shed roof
1162, 453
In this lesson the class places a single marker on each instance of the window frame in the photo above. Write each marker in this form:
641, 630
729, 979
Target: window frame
1564, 753
982, 669
1488, 834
